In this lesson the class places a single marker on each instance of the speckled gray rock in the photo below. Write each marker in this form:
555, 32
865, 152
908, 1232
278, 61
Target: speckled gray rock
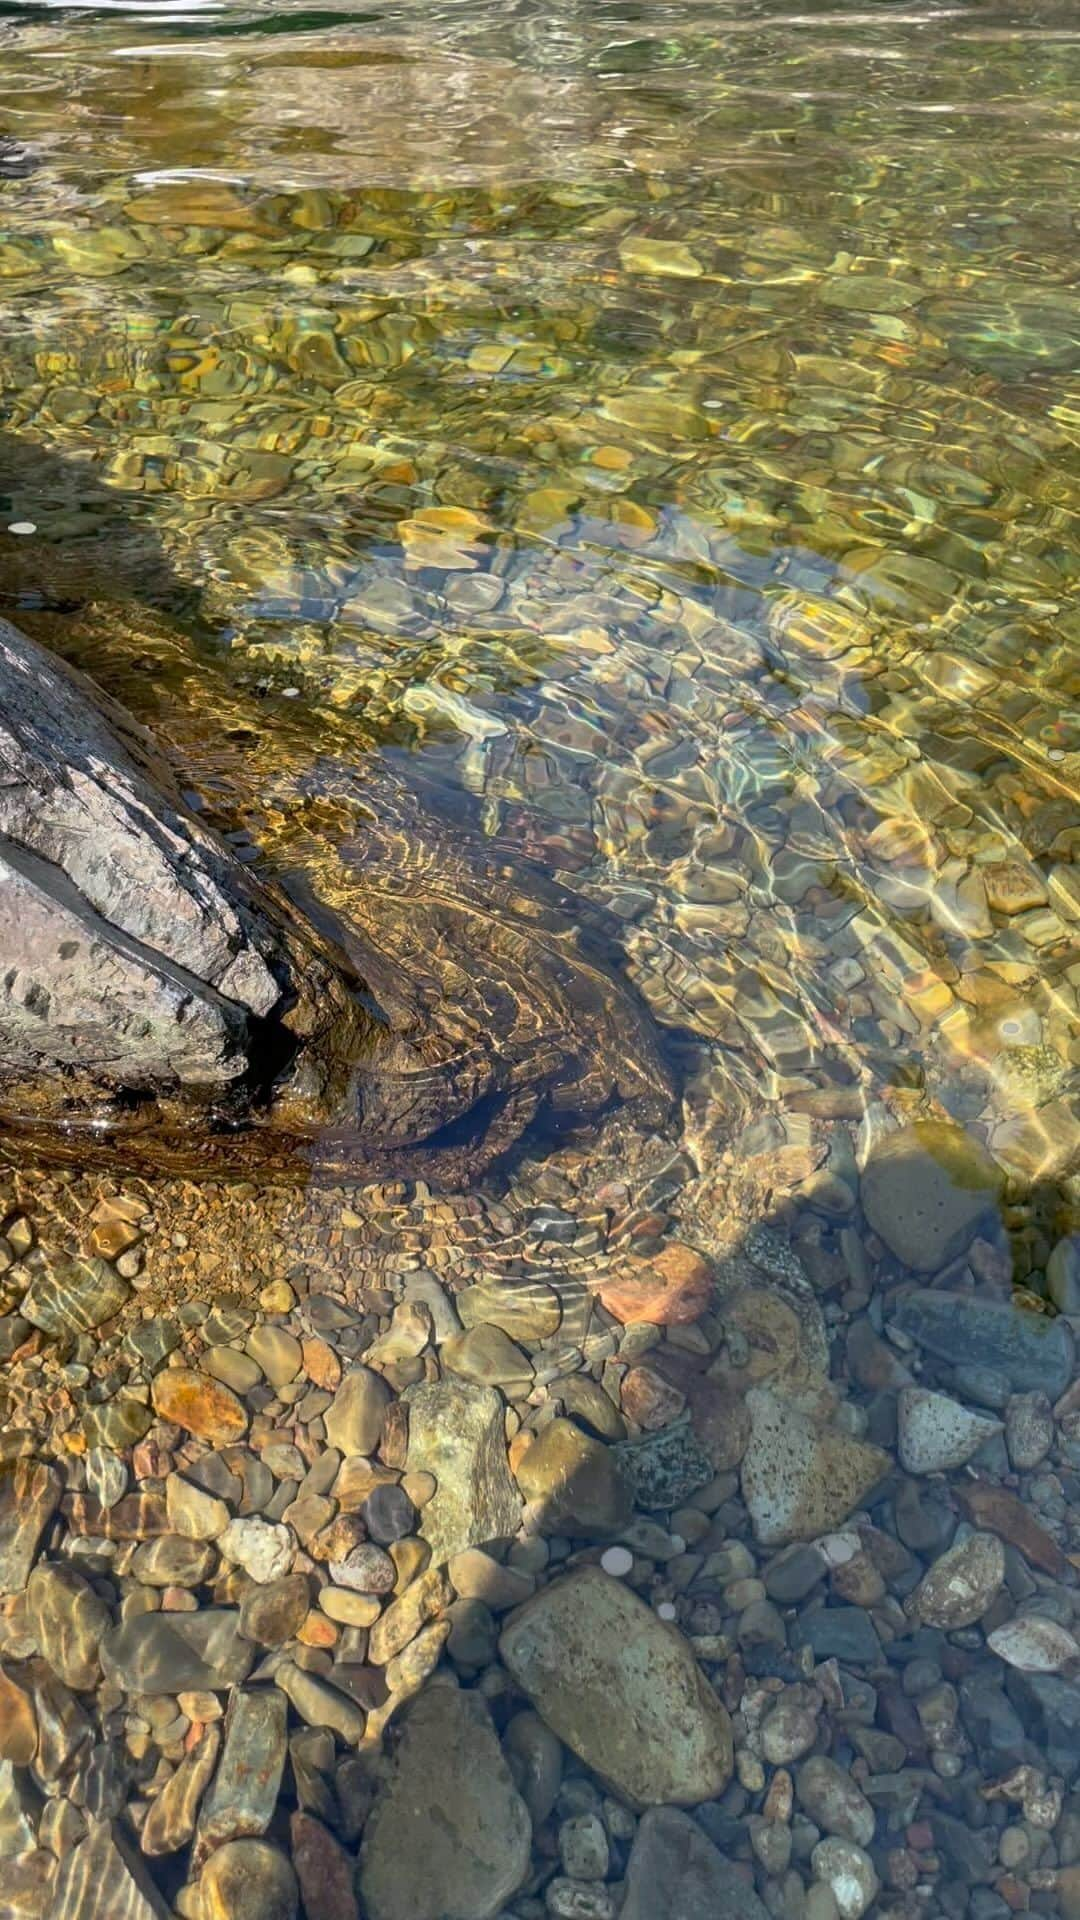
622, 1689
849, 1874
1029, 1430
925, 1191
1034, 1353
449, 1836
962, 1585
456, 1432
675, 1873
665, 1468
936, 1434
800, 1479
832, 1800
1033, 1645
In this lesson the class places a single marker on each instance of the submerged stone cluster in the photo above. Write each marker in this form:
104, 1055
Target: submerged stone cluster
567, 1550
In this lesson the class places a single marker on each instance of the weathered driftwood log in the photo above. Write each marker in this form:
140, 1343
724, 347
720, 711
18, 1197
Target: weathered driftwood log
152, 990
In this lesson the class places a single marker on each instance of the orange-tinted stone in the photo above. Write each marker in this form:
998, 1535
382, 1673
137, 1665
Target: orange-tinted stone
200, 1405
670, 1290
18, 1722
318, 1631
321, 1363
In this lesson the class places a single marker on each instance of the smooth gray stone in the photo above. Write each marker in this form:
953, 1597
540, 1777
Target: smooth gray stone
449, 1835
675, 1873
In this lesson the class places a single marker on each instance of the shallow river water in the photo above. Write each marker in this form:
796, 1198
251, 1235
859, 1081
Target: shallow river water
612, 470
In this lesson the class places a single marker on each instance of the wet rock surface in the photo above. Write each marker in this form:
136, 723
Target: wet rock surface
620, 1690
449, 1834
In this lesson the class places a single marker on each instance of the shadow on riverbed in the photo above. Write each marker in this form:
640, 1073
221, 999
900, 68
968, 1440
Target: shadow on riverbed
89, 541
497, 990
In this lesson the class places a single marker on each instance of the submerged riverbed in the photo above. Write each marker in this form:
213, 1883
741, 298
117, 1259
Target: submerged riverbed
639, 444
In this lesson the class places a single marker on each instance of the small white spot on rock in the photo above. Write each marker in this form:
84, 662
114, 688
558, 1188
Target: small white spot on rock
22, 526
666, 1610
617, 1561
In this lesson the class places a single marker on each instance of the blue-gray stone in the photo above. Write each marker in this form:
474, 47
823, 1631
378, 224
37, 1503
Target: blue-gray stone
1033, 1352
846, 1634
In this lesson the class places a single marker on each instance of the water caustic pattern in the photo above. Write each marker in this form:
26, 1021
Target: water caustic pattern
598, 474
664, 427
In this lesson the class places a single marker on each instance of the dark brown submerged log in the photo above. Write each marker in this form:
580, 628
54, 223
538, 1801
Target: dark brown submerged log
159, 1007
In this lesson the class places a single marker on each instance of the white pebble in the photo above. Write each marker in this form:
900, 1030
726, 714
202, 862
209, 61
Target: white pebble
22, 526
838, 1548
617, 1561
666, 1610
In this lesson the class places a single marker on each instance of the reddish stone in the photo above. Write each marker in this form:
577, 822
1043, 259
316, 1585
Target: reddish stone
178, 1600
323, 1869
317, 1630
151, 1461
670, 1290
1015, 1893
648, 1400
1001, 1512
717, 1403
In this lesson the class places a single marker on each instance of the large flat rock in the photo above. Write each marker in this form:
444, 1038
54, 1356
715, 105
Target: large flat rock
926, 1190
622, 1689
1034, 1353
457, 1432
449, 1835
